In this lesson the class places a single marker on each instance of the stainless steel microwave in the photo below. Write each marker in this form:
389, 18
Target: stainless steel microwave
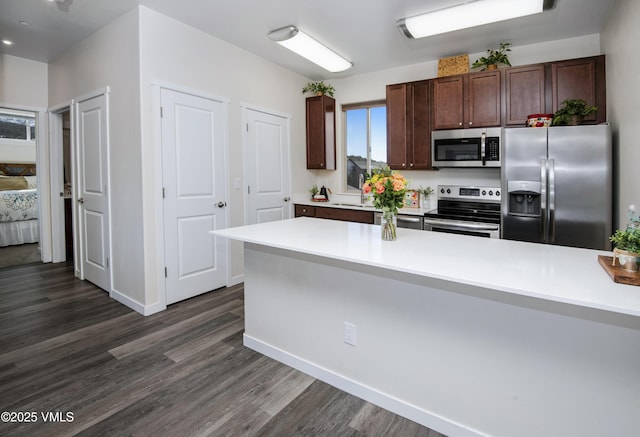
478, 147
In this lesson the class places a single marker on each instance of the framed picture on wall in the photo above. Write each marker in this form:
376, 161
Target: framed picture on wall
412, 199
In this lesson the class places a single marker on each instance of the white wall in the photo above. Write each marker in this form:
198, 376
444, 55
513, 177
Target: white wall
175, 53
110, 58
24, 82
619, 42
371, 86
23, 85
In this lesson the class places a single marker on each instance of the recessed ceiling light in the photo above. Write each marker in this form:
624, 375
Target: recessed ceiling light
6, 42
25, 23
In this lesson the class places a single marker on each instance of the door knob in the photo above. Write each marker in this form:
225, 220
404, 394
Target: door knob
286, 199
221, 204
81, 200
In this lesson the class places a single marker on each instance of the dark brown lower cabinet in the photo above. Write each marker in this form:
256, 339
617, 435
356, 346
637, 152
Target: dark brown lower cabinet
327, 212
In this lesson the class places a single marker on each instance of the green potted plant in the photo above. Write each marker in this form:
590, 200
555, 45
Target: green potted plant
319, 89
572, 113
426, 193
314, 190
494, 58
627, 249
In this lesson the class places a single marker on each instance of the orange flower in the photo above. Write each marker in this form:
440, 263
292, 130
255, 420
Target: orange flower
380, 187
398, 184
366, 188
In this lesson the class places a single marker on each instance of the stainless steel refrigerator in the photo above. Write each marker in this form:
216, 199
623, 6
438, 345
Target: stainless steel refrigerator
557, 185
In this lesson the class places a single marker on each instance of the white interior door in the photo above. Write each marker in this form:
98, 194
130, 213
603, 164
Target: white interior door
92, 197
268, 168
193, 173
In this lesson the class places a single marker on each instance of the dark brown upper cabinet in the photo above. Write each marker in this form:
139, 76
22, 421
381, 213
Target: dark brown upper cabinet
483, 99
524, 93
448, 102
582, 78
409, 125
321, 133
467, 100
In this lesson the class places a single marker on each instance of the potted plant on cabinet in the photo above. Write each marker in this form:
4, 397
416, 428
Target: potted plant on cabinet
627, 249
494, 58
573, 112
319, 89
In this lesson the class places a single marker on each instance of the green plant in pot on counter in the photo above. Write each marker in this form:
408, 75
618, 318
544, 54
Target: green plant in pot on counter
426, 192
494, 58
314, 190
572, 112
627, 249
319, 89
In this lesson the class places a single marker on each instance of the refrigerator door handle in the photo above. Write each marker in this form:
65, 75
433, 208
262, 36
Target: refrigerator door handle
483, 154
543, 200
552, 201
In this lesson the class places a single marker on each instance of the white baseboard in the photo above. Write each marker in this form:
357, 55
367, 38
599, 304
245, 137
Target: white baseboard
145, 310
236, 280
383, 400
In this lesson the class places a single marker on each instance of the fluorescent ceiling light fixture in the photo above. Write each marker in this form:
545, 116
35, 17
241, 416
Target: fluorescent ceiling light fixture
470, 14
299, 42
7, 42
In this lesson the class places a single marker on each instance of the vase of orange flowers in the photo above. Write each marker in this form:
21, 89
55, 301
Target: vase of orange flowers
388, 189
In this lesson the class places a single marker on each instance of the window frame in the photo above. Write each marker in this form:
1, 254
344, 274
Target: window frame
29, 141
354, 106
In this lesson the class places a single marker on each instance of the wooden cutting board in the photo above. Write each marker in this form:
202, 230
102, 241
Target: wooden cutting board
617, 273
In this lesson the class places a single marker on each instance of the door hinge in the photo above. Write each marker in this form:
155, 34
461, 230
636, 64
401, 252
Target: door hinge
161, 112
247, 127
248, 189
165, 272
107, 262
163, 192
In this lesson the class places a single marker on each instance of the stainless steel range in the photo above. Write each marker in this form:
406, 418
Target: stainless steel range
466, 210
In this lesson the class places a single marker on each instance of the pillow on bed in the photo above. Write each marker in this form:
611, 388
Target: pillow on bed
13, 183
32, 181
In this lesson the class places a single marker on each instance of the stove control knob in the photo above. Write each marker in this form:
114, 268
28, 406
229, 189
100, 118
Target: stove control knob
497, 193
490, 193
448, 191
484, 192
442, 190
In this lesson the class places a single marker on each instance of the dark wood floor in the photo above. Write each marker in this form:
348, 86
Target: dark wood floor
65, 346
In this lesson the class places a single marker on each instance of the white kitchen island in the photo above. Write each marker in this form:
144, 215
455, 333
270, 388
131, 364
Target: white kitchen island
468, 336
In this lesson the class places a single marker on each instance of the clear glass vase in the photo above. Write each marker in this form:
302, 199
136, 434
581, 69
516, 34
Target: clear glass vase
389, 226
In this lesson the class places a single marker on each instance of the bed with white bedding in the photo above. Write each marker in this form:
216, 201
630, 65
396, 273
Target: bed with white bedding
18, 210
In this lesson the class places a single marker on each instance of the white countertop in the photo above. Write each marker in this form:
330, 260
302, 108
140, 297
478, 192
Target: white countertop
553, 273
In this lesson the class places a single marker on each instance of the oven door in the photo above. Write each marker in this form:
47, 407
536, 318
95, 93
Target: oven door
487, 230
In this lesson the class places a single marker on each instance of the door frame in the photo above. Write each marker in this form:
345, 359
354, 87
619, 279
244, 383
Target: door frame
245, 150
156, 89
42, 174
56, 163
75, 146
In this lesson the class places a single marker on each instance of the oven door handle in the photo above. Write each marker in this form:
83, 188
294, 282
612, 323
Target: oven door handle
462, 226
408, 219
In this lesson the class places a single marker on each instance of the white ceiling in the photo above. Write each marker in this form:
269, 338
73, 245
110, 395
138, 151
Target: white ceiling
364, 31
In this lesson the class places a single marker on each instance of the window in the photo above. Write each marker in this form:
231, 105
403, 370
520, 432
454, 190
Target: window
17, 126
365, 140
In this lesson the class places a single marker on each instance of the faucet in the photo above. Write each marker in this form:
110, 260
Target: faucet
361, 185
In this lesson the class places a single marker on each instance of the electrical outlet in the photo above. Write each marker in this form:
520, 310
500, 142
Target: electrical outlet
350, 333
